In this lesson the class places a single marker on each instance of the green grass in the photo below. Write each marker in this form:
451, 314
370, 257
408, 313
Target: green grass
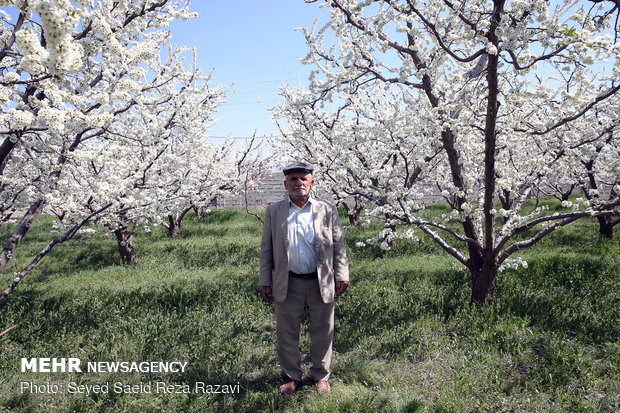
406, 338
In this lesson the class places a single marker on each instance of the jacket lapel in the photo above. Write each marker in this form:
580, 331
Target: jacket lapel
282, 217
318, 214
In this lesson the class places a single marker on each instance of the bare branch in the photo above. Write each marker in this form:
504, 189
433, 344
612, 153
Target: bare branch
577, 115
443, 244
46, 250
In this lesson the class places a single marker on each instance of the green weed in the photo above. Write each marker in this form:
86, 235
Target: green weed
406, 338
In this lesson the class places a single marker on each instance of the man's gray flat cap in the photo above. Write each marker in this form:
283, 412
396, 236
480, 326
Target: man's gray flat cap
298, 167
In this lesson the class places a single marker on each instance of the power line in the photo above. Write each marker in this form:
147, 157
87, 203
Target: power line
237, 137
249, 103
265, 81
256, 91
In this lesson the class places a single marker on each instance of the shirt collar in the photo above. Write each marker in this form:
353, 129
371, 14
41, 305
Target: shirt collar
291, 203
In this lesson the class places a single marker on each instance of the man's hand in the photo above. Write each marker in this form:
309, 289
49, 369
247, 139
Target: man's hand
265, 292
341, 286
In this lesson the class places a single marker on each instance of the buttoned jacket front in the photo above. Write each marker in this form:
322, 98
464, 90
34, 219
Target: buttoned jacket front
329, 248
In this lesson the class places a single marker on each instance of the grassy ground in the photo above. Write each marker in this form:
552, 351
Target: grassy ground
406, 338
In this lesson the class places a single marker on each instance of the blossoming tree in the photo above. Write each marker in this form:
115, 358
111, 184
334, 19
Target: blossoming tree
491, 91
95, 125
154, 160
67, 72
594, 166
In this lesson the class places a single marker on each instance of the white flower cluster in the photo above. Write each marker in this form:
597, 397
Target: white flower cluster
59, 20
19, 119
513, 263
33, 55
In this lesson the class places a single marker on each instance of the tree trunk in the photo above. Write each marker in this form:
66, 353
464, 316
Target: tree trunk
175, 221
125, 245
199, 211
565, 194
353, 213
606, 226
6, 148
483, 283
483, 266
19, 232
173, 227
354, 219
506, 199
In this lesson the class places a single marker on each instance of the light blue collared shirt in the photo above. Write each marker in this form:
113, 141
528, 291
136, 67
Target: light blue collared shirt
302, 258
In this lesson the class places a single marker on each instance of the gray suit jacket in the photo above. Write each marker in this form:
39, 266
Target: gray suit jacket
329, 248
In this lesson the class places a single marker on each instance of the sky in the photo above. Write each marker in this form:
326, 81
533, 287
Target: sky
253, 48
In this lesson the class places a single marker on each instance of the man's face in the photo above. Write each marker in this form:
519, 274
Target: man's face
298, 184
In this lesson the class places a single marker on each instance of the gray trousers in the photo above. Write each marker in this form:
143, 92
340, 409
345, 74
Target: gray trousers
289, 313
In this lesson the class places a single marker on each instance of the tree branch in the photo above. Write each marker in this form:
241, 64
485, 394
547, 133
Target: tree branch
58, 240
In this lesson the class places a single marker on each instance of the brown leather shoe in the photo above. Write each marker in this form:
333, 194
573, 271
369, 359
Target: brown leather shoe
288, 388
322, 386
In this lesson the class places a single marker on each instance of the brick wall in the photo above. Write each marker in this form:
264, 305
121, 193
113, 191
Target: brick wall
269, 190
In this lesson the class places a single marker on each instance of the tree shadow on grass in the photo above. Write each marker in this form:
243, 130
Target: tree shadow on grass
570, 295
81, 312
390, 305
86, 257
558, 294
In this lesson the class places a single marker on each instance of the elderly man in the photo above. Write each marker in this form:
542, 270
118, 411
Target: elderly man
303, 264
